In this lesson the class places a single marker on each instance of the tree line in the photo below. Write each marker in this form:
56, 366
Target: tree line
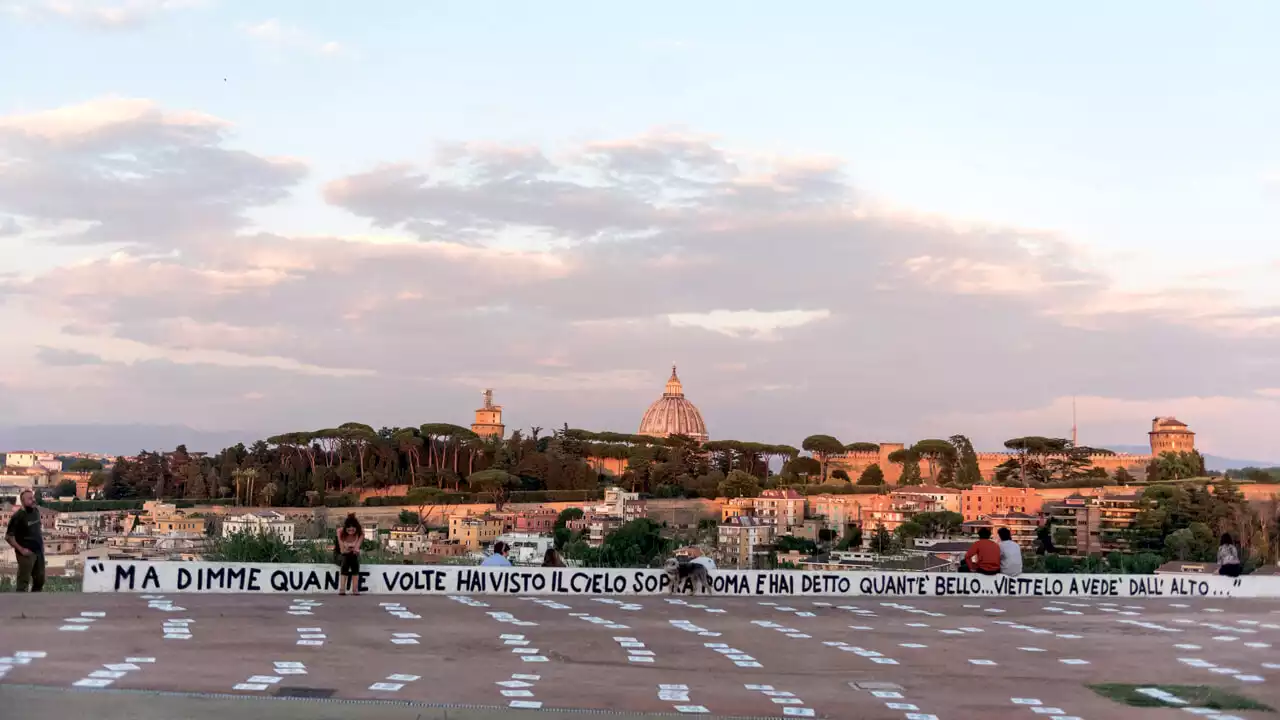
331, 465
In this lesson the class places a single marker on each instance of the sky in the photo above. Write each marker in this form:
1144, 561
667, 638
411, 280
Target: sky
873, 220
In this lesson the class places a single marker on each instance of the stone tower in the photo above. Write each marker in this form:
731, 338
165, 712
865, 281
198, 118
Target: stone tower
1169, 435
489, 418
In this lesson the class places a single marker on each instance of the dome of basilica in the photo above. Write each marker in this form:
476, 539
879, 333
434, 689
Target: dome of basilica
672, 414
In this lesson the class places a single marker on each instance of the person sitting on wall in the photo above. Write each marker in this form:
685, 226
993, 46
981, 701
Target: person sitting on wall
499, 556
1010, 554
983, 556
552, 558
1228, 557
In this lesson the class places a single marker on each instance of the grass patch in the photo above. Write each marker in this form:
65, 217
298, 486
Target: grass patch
52, 584
1195, 695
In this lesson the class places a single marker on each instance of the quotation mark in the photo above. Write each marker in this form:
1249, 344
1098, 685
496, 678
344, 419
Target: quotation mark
97, 567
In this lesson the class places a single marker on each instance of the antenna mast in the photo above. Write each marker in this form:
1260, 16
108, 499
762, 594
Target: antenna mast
1074, 440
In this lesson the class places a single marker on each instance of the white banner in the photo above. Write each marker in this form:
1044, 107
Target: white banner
202, 577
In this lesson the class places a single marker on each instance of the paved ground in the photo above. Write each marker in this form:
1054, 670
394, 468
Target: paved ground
949, 658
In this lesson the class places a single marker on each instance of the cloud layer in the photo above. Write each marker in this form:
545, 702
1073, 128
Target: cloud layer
569, 281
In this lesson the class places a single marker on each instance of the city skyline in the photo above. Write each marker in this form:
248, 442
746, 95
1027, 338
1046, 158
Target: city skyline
837, 219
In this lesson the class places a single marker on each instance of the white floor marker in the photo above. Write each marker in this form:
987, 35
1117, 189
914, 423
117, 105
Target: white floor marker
636, 651
311, 637
520, 686
111, 673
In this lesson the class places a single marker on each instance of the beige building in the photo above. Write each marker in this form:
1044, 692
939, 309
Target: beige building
474, 531
489, 419
179, 522
784, 508
32, 459
930, 498
742, 539
261, 523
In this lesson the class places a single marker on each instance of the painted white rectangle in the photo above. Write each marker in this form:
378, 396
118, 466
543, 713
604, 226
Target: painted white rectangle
108, 674
405, 635
517, 693
404, 641
525, 704
93, 683
140, 659
264, 679
386, 687
639, 659
403, 678
533, 658
311, 643
255, 687
513, 684
798, 712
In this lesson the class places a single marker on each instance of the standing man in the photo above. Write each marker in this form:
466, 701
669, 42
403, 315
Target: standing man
23, 535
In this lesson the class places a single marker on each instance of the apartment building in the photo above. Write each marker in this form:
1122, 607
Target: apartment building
259, 523
1097, 524
474, 531
1022, 526
940, 498
981, 500
743, 539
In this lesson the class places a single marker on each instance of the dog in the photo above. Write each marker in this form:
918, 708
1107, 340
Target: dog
681, 570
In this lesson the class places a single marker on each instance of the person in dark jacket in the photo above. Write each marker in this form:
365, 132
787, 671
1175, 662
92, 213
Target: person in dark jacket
25, 537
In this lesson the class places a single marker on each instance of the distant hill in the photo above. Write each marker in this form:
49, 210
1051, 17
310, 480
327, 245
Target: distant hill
118, 439
1211, 462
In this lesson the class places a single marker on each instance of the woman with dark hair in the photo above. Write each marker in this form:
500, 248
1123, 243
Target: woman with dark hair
1228, 557
552, 558
350, 536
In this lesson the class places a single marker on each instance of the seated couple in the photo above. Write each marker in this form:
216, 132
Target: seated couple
986, 557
